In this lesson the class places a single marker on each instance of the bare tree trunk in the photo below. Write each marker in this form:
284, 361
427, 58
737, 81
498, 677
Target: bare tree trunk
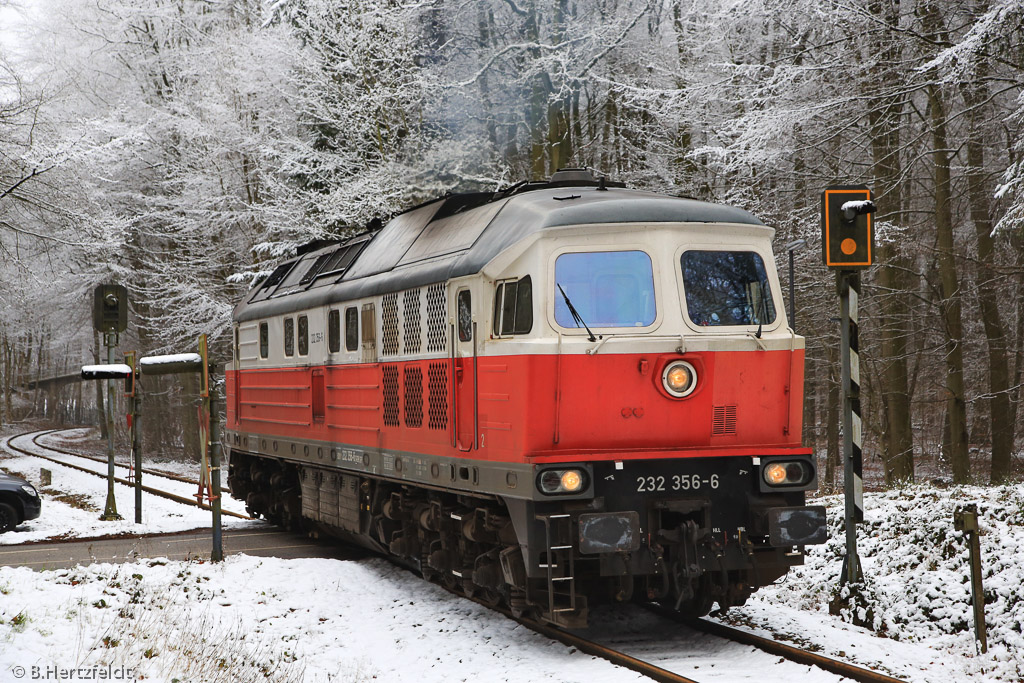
1001, 423
893, 282
956, 405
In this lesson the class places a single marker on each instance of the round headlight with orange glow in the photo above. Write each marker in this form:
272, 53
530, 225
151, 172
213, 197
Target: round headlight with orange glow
562, 481
679, 378
775, 474
787, 473
572, 481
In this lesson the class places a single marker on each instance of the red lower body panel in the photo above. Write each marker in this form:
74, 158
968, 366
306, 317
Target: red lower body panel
533, 408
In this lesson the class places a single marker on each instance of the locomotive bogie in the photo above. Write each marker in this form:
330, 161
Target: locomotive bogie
556, 398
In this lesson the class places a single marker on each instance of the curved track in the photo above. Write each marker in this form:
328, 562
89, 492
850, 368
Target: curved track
9, 443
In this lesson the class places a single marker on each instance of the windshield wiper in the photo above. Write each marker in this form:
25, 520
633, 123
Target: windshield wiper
575, 314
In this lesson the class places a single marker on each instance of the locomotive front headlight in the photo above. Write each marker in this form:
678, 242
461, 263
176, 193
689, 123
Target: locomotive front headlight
790, 473
561, 481
572, 481
775, 474
679, 378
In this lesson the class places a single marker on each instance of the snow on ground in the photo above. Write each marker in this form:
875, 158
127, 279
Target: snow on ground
352, 621
249, 619
74, 501
919, 598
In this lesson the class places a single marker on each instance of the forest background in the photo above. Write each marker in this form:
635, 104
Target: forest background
181, 147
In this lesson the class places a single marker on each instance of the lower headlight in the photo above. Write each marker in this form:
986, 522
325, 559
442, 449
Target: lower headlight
786, 473
30, 491
561, 481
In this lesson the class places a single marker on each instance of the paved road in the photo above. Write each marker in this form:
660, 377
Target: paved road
190, 545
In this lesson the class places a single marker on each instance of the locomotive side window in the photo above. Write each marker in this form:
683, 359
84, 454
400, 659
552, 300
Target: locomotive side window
351, 328
727, 288
513, 307
334, 331
607, 289
289, 337
303, 335
465, 307
264, 341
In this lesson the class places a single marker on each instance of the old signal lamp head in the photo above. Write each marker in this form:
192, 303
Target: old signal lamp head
847, 228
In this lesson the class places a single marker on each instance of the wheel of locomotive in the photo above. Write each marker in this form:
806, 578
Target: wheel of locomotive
8, 517
700, 604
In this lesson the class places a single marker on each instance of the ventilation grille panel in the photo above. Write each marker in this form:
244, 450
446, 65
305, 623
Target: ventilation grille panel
389, 324
437, 379
437, 317
391, 395
411, 314
413, 396
723, 421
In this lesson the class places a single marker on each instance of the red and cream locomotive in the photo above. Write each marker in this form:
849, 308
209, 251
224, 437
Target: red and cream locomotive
560, 394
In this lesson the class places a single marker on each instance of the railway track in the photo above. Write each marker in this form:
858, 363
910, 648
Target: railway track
103, 460
184, 500
614, 653
677, 674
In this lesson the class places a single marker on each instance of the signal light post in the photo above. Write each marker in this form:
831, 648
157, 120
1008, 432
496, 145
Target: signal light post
847, 245
110, 316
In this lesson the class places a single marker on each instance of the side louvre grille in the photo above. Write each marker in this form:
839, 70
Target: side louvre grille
413, 396
437, 317
411, 303
390, 395
723, 421
389, 324
437, 386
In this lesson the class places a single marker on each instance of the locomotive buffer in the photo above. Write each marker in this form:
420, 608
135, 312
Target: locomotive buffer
847, 246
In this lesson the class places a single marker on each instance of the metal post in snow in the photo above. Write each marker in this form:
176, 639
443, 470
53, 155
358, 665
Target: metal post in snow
110, 509
215, 454
848, 283
211, 448
134, 399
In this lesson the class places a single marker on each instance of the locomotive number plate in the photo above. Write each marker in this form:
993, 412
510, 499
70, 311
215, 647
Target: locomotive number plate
675, 482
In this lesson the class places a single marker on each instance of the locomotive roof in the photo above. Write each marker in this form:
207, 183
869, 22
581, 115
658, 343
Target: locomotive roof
458, 235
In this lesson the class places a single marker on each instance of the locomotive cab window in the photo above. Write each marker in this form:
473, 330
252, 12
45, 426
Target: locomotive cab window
605, 288
351, 328
334, 331
513, 307
289, 337
303, 335
465, 308
727, 288
264, 341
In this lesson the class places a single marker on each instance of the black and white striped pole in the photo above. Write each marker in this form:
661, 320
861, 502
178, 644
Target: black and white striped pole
849, 295
847, 241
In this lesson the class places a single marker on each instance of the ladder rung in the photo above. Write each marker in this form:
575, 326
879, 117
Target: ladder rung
562, 578
561, 547
557, 516
544, 566
567, 609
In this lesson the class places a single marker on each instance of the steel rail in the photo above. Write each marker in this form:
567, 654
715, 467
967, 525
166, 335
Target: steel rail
100, 459
655, 673
793, 654
148, 489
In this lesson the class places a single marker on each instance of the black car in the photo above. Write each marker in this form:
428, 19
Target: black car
19, 501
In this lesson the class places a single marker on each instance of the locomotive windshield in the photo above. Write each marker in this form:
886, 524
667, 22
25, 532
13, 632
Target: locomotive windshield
607, 288
727, 288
